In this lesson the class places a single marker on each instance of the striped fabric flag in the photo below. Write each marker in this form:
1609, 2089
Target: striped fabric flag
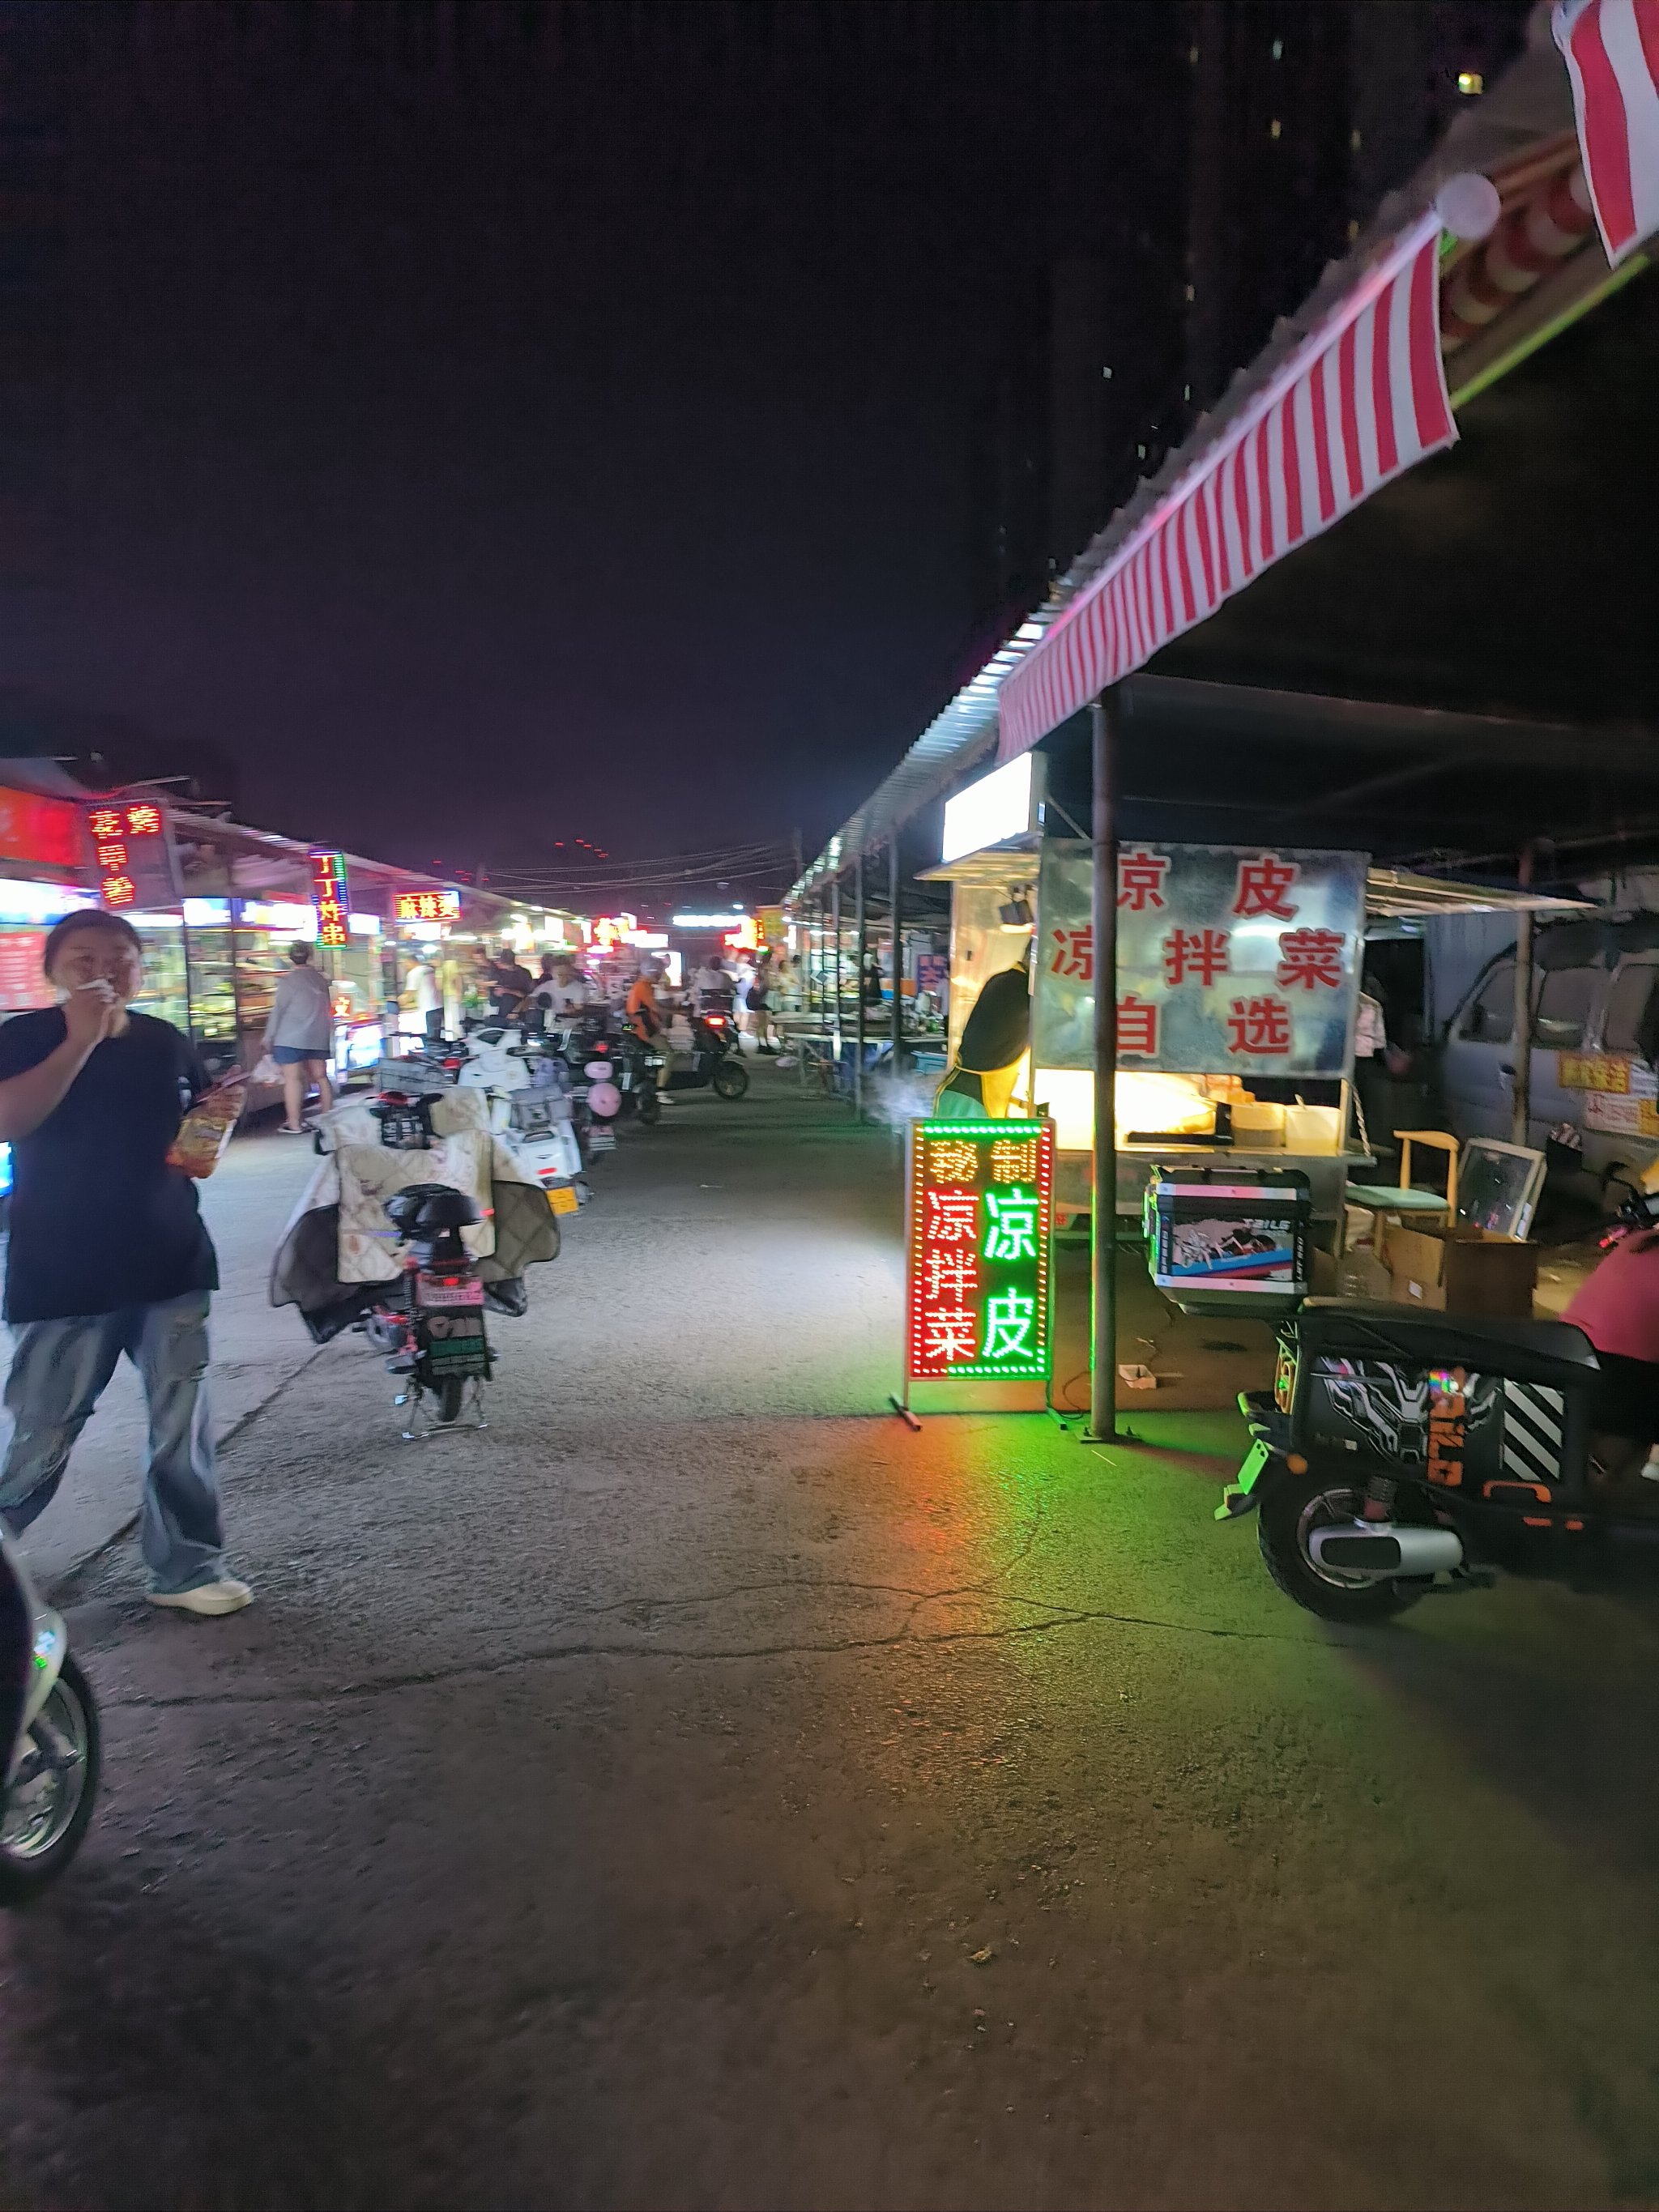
1362, 399
1612, 50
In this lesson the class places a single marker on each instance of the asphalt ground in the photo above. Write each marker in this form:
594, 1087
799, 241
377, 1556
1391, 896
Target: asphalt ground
698, 1789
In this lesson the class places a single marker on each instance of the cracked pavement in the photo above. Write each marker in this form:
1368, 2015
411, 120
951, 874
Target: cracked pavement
697, 1790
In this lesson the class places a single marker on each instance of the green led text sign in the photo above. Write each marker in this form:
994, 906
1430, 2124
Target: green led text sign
977, 1307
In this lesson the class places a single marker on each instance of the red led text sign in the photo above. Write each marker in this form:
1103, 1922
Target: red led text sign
132, 851
330, 897
980, 1229
429, 906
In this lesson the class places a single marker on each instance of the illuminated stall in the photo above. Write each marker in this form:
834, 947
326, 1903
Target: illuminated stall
1238, 987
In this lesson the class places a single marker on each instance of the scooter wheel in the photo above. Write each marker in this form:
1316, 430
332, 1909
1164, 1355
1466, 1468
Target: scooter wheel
731, 1079
46, 1814
452, 1396
1289, 1512
649, 1110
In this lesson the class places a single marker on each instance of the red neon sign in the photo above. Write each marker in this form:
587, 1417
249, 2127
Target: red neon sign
429, 906
329, 897
133, 853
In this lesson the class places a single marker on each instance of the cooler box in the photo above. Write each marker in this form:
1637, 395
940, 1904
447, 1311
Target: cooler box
1223, 1240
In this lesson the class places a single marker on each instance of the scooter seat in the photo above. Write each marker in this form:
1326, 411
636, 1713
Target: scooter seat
424, 1210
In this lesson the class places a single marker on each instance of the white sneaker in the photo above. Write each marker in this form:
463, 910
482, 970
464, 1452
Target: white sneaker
226, 1595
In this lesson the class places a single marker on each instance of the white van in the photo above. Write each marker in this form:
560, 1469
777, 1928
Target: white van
1593, 994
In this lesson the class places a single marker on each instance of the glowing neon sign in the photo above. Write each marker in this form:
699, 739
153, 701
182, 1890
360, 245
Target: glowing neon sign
328, 896
429, 906
132, 850
981, 1230
611, 930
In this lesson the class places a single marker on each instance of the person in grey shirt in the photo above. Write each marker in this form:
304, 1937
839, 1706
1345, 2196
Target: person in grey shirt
298, 1032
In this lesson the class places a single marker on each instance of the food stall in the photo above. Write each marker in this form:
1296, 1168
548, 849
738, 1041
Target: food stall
1238, 972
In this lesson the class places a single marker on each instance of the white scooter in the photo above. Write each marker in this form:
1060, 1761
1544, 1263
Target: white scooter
52, 1779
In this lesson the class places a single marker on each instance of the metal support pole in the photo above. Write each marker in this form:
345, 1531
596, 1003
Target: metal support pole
1102, 1213
858, 971
1521, 1026
835, 1017
898, 955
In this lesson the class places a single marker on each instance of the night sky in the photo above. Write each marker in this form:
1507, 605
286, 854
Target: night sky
493, 423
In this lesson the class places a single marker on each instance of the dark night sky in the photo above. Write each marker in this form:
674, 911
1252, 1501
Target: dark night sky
499, 423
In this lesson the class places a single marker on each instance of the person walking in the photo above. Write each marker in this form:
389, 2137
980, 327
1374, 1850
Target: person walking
299, 1030
760, 1008
108, 1253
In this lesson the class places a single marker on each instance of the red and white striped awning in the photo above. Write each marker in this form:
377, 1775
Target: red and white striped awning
1612, 50
1361, 399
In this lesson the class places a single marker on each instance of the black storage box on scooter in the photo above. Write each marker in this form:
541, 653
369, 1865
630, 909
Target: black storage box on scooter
1488, 1413
1229, 1240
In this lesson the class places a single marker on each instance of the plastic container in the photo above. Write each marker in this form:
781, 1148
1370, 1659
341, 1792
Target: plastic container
1313, 1129
1258, 1124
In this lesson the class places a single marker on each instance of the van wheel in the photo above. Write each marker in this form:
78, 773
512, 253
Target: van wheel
1287, 1518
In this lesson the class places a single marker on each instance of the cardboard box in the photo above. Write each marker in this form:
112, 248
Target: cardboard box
1462, 1271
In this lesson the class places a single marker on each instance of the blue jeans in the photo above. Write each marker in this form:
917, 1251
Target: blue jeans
59, 1369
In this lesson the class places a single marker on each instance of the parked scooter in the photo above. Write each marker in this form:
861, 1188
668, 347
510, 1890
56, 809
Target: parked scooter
1404, 1455
430, 1323
614, 1074
52, 1775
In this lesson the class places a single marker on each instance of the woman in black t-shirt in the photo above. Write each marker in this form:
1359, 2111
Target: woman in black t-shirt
108, 1253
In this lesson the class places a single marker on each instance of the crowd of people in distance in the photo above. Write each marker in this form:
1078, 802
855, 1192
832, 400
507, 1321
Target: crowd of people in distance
452, 991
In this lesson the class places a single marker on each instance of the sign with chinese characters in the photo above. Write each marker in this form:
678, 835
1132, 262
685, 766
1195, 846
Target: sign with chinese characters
1240, 960
1593, 1071
429, 906
329, 896
980, 1225
22, 983
40, 830
1621, 1094
131, 841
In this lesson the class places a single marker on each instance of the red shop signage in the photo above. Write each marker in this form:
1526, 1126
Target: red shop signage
131, 841
45, 831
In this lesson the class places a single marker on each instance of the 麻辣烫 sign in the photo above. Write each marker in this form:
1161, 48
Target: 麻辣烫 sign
1230, 959
429, 906
131, 841
980, 1229
329, 897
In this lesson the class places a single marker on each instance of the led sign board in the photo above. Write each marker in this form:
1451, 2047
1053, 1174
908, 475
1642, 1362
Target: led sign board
732, 919
328, 896
132, 850
1007, 803
977, 1305
429, 906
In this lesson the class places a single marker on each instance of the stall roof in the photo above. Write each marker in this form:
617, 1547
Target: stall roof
1491, 569
288, 852
1391, 894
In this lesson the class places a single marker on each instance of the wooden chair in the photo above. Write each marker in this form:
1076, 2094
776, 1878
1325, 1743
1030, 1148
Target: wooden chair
1401, 1202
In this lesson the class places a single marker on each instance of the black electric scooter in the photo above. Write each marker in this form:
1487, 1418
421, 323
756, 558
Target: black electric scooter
1403, 1455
